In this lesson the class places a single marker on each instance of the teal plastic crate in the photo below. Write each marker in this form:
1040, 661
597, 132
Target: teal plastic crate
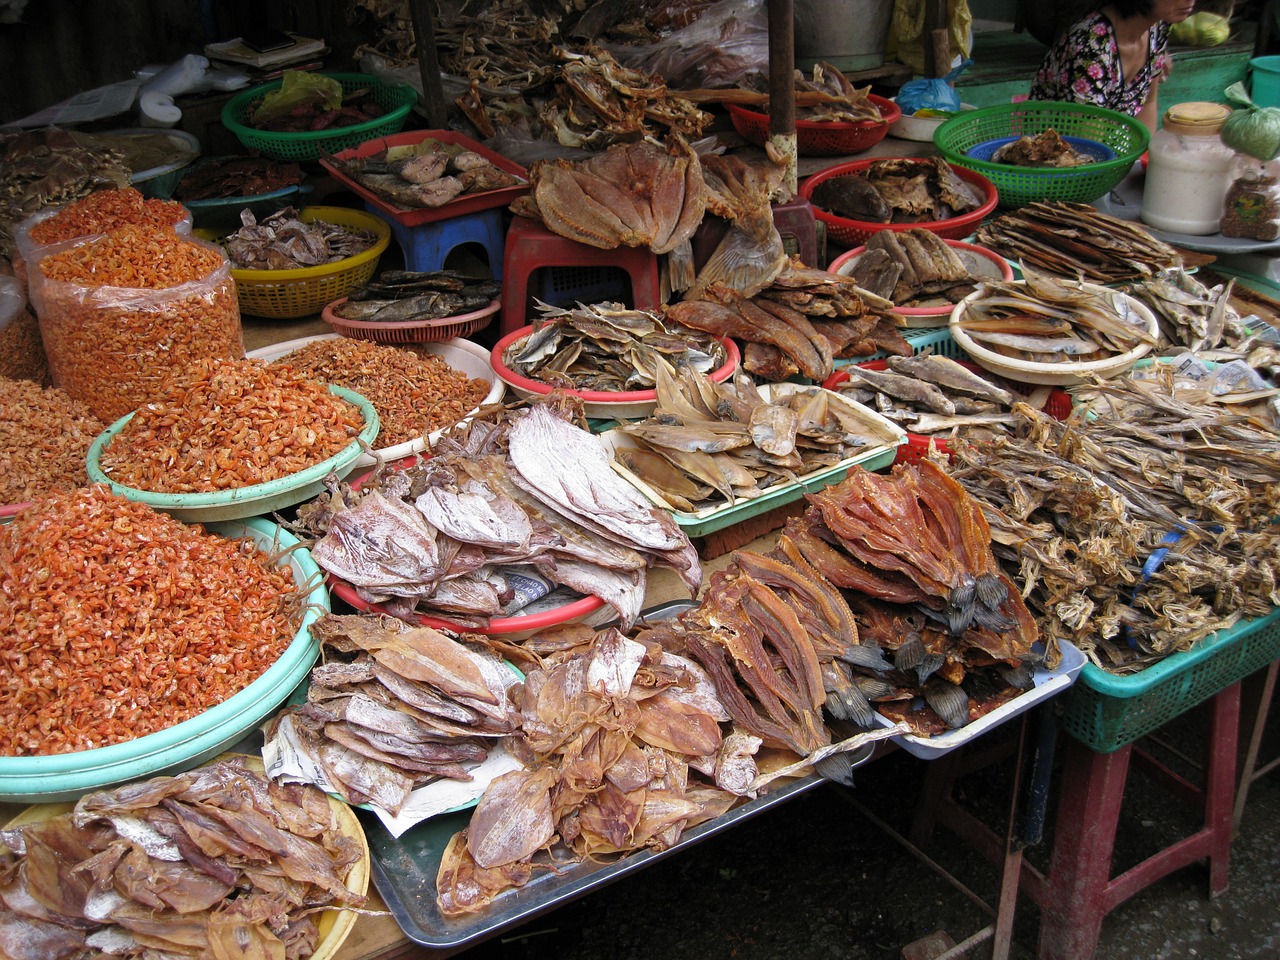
1107, 712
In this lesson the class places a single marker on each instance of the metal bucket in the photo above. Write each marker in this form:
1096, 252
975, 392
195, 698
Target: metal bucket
848, 34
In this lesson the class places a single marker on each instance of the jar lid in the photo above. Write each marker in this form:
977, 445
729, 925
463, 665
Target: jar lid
1197, 118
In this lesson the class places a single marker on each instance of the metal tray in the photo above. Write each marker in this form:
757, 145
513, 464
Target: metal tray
716, 517
1048, 683
404, 869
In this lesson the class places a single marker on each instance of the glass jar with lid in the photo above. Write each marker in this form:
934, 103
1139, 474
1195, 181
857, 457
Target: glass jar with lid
1189, 170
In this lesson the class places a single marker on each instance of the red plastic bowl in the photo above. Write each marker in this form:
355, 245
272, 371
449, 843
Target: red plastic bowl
623, 403
942, 310
851, 233
11, 510
821, 138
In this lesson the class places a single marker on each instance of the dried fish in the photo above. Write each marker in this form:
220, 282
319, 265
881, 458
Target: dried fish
428, 173
609, 347
284, 242
1076, 240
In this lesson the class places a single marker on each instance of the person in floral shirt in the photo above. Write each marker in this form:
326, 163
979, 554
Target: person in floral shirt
1114, 57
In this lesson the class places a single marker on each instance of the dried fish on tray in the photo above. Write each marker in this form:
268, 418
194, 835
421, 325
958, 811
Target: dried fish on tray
218, 861
932, 395
827, 96
800, 324
715, 454
608, 347
425, 173
521, 493
1140, 526
1077, 241
402, 719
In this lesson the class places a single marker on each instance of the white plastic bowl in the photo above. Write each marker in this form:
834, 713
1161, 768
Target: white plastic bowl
66, 776
463, 355
1063, 372
920, 128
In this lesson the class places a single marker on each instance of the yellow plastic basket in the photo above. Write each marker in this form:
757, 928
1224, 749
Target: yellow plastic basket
290, 294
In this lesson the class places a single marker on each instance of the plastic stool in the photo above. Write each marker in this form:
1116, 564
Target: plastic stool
1078, 891
531, 246
795, 222
427, 246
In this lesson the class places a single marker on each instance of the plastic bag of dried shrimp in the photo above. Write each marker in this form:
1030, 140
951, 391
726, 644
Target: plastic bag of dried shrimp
118, 312
58, 228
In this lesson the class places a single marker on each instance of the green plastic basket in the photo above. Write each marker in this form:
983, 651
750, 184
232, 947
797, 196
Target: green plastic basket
396, 98
1018, 186
1106, 712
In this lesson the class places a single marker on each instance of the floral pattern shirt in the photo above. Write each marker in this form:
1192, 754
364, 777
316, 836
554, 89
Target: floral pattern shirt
1084, 67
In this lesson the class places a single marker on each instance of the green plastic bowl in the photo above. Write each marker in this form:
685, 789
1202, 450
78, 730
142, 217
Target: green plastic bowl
251, 501
1018, 186
67, 776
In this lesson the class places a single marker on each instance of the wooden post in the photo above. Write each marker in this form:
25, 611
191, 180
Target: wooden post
782, 90
424, 35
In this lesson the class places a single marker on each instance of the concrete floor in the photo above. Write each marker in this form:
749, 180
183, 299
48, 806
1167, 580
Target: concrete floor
814, 879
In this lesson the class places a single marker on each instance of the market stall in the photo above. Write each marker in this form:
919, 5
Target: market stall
565, 512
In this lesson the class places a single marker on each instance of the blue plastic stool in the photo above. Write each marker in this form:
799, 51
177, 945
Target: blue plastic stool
427, 246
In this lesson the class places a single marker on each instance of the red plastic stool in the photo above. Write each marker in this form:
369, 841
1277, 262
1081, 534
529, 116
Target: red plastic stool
531, 246
428, 246
795, 222
1078, 891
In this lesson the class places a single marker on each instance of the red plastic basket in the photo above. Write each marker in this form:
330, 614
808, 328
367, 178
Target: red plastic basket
1057, 405
853, 233
821, 138
433, 330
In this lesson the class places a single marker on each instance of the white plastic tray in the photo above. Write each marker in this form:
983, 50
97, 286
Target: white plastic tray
1047, 683
463, 355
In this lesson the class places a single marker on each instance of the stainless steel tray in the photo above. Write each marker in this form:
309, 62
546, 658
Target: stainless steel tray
405, 868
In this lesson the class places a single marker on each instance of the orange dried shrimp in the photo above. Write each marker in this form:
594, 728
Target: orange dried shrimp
45, 436
105, 210
414, 394
117, 621
150, 258
225, 424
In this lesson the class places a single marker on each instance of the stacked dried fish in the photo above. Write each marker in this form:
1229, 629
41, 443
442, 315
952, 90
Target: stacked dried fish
914, 554
1190, 315
218, 862
42, 168
283, 241
908, 266
429, 173
410, 706
639, 194
800, 324
1075, 240
609, 347
521, 491
932, 394
898, 190
399, 295
599, 102
622, 730
1088, 509
1045, 319
237, 177
712, 444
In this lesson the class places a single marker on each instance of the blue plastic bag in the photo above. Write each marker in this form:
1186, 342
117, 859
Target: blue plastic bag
932, 94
